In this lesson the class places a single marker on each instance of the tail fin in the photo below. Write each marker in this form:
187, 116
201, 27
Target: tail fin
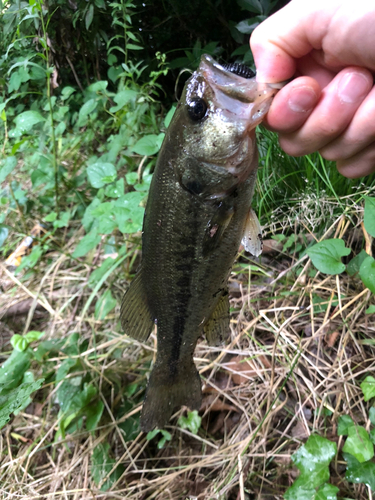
165, 392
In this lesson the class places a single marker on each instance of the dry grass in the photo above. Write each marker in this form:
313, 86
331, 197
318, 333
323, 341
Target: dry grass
294, 364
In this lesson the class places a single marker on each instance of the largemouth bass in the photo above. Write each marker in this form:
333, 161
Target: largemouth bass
197, 213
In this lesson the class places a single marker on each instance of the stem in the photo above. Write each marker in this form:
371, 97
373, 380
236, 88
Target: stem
54, 147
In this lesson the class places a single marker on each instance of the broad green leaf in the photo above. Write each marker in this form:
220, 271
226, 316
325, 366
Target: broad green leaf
148, 145
191, 422
93, 414
345, 422
6, 167
16, 399
63, 221
312, 460
368, 387
67, 92
354, 265
359, 444
326, 256
19, 342
87, 243
168, 118
369, 310
64, 368
26, 120
85, 110
369, 217
104, 305
122, 98
13, 369
166, 437
327, 492
371, 415
99, 86
358, 472
152, 434
367, 273
89, 16
100, 174
115, 190
102, 465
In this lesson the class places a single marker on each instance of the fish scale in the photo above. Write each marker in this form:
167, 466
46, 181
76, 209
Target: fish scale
198, 211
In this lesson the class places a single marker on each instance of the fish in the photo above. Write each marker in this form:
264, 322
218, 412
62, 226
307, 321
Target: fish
197, 213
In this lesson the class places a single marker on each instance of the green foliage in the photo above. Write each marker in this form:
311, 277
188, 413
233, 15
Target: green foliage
312, 460
326, 256
16, 383
191, 422
103, 469
315, 456
165, 436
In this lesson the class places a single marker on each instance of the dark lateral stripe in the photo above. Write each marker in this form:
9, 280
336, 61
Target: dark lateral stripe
185, 251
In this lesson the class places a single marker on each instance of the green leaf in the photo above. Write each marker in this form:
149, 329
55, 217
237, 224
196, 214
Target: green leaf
19, 343
87, 243
168, 118
67, 92
65, 368
368, 387
99, 86
367, 273
85, 111
369, 310
93, 414
63, 221
369, 218
326, 256
148, 145
13, 369
16, 399
358, 444
327, 492
26, 120
102, 465
89, 16
104, 305
166, 437
152, 434
51, 217
191, 422
312, 460
354, 265
345, 422
371, 415
29, 261
100, 174
6, 167
358, 472
123, 98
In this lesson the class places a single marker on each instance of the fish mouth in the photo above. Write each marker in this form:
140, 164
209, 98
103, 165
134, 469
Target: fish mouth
236, 91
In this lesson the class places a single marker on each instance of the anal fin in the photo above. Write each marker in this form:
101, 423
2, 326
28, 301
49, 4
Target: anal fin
136, 319
252, 238
216, 329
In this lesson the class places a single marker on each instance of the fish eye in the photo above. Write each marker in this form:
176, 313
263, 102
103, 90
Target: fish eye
197, 109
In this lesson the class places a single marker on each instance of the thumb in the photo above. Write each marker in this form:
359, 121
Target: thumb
291, 33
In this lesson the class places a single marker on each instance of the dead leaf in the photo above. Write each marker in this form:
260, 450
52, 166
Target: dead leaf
242, 369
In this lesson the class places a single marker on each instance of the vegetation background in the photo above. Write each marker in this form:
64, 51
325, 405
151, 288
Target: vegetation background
87, 91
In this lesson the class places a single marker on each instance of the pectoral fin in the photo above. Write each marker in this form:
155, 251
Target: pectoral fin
252, 238
136, 319
217, 327
215, 228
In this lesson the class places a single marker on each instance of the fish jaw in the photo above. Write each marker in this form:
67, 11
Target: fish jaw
244, 97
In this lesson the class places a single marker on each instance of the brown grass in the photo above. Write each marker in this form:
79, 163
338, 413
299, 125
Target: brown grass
293, 366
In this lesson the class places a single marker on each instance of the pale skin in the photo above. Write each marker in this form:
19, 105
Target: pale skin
328, 48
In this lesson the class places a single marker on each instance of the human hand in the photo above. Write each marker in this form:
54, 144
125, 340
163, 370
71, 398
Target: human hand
328, 45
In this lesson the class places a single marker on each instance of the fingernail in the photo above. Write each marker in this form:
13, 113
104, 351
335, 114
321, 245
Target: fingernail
353, 87
302, 99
